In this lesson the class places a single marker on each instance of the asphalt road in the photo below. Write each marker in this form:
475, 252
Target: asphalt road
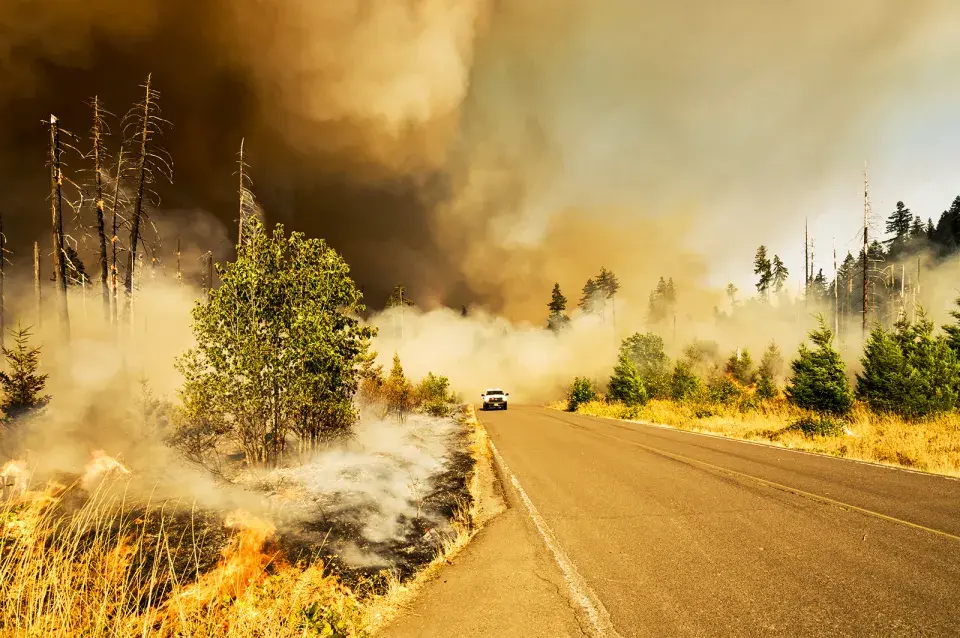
668, 533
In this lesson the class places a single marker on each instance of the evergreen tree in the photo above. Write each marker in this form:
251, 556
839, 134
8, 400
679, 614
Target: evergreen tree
953, 330
399, 389
557, 318
399, 298
22, 386
589, 299
740, 367
931, 230
582, 391
607, 283
779, 273
918, 231
819, 380
670, 293
658, 305
771, 369
899, 224
732, 294
76, 271
909, 371
819, 287
761, 268
684, 383
626, 385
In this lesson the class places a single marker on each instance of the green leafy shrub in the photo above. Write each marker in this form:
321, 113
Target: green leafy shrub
647, 354
819, 382
684, 384
626, 386
818, 426
723, 389
581, 391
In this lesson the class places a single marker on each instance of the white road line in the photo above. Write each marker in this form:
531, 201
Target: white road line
579, 590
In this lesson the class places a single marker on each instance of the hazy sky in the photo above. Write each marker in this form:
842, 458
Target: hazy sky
479, 150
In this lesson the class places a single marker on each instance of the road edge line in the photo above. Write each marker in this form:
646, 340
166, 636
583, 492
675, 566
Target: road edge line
579, 589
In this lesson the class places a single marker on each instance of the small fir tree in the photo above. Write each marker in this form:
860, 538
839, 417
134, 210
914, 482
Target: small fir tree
819, 380
768, 376
557, 318
22, 386
740, 367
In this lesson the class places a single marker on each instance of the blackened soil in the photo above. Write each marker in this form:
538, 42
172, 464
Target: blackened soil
415, 547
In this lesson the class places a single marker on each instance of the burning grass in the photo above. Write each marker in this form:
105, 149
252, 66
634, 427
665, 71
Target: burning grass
80, 556
932, 445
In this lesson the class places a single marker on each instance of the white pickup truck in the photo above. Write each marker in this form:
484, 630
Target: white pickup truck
494, 399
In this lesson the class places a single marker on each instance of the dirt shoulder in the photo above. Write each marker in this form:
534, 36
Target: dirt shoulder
504, 583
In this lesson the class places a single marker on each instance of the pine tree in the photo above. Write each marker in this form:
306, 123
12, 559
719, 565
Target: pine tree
740, 367
589, 298
22, 386
881, 384
399, 390
684, 383
819, 380
661, 302
771, 369
626, 385
557, 318
761, 268
779, 274
819, 287
899, 223
732, 294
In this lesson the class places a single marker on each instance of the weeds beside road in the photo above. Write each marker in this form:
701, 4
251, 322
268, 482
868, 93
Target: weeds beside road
930, 445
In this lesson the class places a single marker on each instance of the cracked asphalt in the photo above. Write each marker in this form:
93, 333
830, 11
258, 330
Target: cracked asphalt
678, 534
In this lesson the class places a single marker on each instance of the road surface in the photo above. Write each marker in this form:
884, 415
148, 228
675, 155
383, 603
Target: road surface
658, 532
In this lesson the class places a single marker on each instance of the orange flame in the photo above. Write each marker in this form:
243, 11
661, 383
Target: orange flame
242, 565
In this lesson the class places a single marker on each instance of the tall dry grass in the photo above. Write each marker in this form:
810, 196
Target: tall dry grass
931, 445
84, 559
76, 564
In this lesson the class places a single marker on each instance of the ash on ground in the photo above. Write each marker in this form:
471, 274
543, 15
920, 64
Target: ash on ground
383, 500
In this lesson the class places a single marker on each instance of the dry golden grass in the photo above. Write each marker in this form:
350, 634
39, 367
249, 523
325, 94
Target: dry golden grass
78, 564
932, 445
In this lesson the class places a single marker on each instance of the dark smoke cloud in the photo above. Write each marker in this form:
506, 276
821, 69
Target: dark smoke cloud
345, 107
478, 150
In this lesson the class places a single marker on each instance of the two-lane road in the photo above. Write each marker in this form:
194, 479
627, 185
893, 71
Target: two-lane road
677, 534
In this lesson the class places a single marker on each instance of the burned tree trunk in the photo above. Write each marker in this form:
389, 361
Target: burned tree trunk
101, 231
179, 274
36, 281
114, 240
144, 135
56, 204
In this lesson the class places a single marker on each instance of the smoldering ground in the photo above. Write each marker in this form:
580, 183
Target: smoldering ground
478, 150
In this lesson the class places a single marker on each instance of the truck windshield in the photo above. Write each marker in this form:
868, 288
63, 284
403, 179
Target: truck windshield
489, 392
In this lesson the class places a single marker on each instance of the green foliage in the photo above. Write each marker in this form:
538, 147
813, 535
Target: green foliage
684, 384
626, 385
909, 371
399, 390
557, 318
662, 301
953, 330
819, 381
770, 372
582, 391
278, 347
434, 396
762, 268
22, 386
818, 426
723, 389
740, 367
779, 274
647, 354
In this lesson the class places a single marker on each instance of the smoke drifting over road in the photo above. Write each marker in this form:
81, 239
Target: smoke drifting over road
476, 150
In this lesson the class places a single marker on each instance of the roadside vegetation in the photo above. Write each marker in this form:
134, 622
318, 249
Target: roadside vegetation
282, 371
901, 408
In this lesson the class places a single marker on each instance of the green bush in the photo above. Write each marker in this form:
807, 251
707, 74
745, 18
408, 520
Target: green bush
740, 367
818, 426
723, 389
626, 386
771, 369
647, 354
819, 382
684, 384
909, 371
580, 392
